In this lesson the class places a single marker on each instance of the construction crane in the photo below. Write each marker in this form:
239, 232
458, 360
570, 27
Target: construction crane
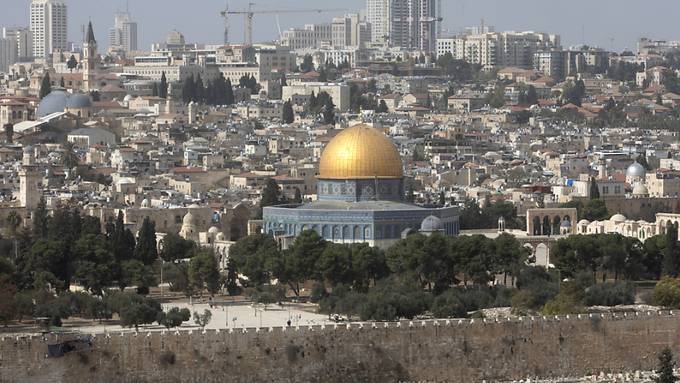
250, 13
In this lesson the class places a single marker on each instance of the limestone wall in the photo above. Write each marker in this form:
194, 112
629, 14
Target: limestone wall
454, 351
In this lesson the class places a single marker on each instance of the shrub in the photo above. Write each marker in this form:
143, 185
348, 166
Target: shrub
667, 293
448, 305
610, 294
562, 304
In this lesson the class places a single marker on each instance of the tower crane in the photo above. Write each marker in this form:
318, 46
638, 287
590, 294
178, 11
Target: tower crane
250, 13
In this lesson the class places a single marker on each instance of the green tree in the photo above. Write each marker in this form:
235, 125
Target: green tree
307, 64
45, 86
146, 249
135, 273
95, 263
173, 318
136, 311
664, 374
671, 255
72, 63
271, 195
496, 99
594, 189
329, 112
163, 86
69, 158
13, 222
595, 210
300, 259
254, 256
174, 247
288, 113
202, 320
229, 92
335, 264
188, 89
323, 75
532, 96
204, 272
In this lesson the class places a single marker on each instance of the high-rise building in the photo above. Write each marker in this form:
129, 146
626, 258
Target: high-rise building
409, 24
23, 38
123, 35
49, 27
8, 53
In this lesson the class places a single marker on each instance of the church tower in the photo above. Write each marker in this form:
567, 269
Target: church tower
89, 59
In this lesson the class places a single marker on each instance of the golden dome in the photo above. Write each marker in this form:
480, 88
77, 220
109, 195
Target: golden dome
360, 152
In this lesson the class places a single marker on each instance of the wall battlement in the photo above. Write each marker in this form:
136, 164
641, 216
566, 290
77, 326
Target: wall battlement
466, 350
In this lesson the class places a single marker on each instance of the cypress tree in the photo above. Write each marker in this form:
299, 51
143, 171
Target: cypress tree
45, 86
199, 95
665, 370
62, 83
163, 88
670, 255
594, 189
188, 89
288, 114
154, 90
40, 220
229, 93
145, 249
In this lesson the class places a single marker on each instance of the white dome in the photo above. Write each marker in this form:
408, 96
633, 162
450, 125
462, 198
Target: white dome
188, 219
635, 170
583, 222
618, 218
213, 230
640, 189
145, 203
431, 224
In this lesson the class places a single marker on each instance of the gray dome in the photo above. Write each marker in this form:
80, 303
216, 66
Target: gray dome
78, 100
635, 170
55, 102
58, 100
431, 224
565, 223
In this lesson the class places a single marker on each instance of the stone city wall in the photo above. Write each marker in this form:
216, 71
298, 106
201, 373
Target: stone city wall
453, 351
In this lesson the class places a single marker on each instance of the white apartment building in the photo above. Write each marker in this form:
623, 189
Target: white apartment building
48, 24
23, 39
410, 24
346, 31
498, 49
123, 35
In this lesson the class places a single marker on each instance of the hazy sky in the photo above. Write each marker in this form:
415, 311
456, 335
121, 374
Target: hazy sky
599, 21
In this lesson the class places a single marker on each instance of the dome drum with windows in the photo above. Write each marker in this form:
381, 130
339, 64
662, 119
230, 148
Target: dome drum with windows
360, 192
361, 164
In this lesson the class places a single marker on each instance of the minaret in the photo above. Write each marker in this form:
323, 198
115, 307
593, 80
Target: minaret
29, 181
89, 56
